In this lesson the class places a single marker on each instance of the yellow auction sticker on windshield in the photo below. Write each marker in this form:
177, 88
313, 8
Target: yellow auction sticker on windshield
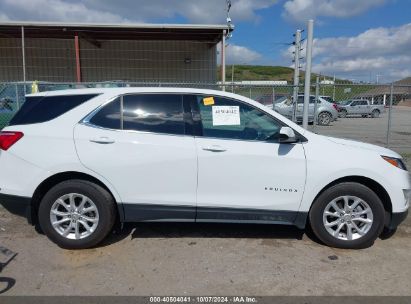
208, 101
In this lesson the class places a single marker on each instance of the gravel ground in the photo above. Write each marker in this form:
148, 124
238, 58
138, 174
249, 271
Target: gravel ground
216, 259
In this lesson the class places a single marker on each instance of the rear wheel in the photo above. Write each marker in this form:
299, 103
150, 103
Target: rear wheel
375, 114
324, 118
77, 214
347, 215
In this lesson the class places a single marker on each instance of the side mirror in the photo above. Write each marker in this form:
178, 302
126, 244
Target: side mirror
287, 135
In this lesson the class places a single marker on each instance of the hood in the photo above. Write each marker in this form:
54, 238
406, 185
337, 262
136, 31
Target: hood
364, 146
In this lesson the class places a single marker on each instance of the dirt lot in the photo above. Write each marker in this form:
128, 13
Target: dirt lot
216, 259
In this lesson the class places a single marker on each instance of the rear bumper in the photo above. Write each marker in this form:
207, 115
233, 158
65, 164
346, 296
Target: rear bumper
18, 205
396, 219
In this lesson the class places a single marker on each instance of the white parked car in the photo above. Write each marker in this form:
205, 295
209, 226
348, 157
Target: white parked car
77, 161
360, 107
327, 112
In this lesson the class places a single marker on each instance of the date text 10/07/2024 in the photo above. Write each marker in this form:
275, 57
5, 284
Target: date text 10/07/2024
205, 299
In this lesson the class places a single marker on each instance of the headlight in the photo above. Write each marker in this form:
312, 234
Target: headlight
395, 162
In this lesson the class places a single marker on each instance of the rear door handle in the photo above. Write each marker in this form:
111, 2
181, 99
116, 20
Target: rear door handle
214, 149
102, 140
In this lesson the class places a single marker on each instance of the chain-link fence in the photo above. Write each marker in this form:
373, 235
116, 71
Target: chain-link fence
379, 114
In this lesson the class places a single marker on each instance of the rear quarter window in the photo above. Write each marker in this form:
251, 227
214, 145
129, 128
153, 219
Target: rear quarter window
38, 109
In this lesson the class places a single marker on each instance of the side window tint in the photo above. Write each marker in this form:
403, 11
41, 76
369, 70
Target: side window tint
108, 116
158, 113
300, 99
38, 109
230, 119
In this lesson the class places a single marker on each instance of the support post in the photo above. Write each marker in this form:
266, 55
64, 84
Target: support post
23, 54
390, 114
223, 60
317, 95
78, 66
297, 44
17, 98
310, 35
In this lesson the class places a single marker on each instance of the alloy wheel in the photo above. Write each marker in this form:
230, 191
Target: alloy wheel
324, 119
74, 216
347, 218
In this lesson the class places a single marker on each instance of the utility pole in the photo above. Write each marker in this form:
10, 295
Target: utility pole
310, 37
297, 45
232, 78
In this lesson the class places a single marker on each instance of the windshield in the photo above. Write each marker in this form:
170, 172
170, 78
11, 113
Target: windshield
327, 98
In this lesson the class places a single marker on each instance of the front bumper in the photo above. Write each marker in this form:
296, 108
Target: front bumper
18, 205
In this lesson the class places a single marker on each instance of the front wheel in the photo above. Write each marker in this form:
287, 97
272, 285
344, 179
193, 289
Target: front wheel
347, 215
324, 118
343, 113
77, 214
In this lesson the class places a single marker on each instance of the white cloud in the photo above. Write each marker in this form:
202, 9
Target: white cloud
195, 11
236, 54
54, 10
301, 10
383, 51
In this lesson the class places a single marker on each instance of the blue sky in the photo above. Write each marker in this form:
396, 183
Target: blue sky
354, 39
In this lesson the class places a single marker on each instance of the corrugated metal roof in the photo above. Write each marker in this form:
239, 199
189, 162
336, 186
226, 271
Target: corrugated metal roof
118, 25
107, 31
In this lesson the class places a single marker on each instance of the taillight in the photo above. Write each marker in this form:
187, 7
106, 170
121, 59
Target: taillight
9, 138
335, 106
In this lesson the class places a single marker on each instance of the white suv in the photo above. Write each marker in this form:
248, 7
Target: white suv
77, 161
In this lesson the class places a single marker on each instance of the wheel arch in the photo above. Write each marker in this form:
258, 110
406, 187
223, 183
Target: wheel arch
57, 178
378, 189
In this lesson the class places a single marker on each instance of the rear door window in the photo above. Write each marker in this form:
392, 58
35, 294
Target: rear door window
108, 116
157, 113
38, 109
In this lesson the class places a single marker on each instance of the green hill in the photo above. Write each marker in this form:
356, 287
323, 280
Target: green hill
258, 72
261, 72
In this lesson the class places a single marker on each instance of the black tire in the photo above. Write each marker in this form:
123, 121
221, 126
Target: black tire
101, 198
364, 116
345, 189
343, 113
375, 114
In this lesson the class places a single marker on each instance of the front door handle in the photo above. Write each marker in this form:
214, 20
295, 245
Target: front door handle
102, 140
214, 149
